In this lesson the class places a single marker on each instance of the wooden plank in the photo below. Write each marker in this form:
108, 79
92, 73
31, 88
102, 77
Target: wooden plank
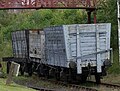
14, 70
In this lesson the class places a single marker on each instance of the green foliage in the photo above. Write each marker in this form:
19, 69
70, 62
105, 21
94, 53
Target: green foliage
35, 19
12, 87
108, 13
115, 68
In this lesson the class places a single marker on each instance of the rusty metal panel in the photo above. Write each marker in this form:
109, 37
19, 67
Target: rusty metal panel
43, 4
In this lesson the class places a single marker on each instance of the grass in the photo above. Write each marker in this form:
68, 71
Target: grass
115, 68
12, 87
112, 78
36, 81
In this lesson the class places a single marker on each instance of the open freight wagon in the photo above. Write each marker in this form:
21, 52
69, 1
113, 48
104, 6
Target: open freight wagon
68, 51
84, 48
28, 47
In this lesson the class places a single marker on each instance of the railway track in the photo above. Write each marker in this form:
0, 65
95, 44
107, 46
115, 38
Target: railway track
41, 89
68, 85
112, 87
75, 87
96, 86
65, 86
78, 87
107, 85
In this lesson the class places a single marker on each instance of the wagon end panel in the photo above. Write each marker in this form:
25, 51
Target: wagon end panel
70, 44
19, 44
37, 45
87, 45
94, 45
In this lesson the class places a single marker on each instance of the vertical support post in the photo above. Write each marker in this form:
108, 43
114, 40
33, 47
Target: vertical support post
27, 41
10, 75
118, 11
99, 69
89, 16
95, 19
79, 68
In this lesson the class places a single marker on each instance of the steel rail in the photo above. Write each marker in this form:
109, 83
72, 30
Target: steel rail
114, 86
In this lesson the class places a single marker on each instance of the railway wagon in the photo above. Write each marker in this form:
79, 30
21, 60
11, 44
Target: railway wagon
28, 48
67, 52
78, 50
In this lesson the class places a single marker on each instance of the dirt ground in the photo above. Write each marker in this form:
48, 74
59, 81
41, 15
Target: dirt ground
112, 78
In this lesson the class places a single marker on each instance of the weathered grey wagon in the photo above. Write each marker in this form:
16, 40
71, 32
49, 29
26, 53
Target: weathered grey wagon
28, 47
79, 45
77, 50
